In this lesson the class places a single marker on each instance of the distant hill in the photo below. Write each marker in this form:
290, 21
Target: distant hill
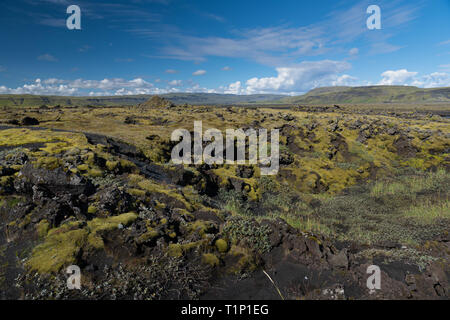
156, 102
176, 98
370, 94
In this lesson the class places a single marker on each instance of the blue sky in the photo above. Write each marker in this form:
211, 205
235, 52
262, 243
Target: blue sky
239, 47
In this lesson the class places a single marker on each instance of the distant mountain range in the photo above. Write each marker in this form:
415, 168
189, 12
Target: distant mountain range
371, 94
325, 95
176, 98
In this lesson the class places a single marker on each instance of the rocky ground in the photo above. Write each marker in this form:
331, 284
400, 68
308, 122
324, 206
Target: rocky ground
95, 187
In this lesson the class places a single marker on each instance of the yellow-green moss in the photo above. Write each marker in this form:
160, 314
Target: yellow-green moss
92, 209
221, 245
83, 167
149, 235
59, 250
245, 260
49, 163
136, 192
200, 227
101, 224
42, 228
112, 165
210, 259
95, 172
175, 250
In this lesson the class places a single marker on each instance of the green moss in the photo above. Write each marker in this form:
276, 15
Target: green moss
245, 260
42, 228
136, 192
210, 259
149, 235
154, 188
83, 167
112, 165
10, 201
221, 245
50, 163
200, 227
95, 172
172, 235
26, 221
92, 209
126, 164
59, 250
175, 250
107, 224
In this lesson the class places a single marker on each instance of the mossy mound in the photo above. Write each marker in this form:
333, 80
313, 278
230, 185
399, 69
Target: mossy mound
157, 102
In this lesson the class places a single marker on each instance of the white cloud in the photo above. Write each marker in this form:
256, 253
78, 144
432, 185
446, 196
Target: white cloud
346, 80
226, 68
397, 77
105, 87
282, 45
433, 80
79, 87
199, 73
407, 78
197, 88
299, 78
47, 57
40, 87
234, 88
171, 71
266, 45
175, 83
353, 51
292, 80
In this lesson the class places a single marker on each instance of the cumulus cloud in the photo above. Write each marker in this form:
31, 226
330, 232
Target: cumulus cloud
407, 78
397, 77
226, 68
291, 80
171, 71
81, 86
433, 80
234, 88
199, 73
40, 87
299, 78
105, 87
